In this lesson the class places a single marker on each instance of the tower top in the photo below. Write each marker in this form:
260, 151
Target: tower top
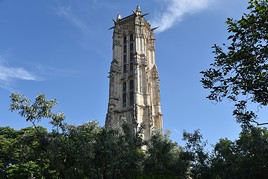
138, 10
135, 13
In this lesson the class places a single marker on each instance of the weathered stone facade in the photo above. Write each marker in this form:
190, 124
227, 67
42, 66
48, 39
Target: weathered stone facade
134, 94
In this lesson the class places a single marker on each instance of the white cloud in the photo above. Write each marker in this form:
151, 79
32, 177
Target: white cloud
176, 10
52, 72
11, 73
66, 12
79, 18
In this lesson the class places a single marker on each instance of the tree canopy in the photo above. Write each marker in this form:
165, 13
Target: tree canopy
240, 70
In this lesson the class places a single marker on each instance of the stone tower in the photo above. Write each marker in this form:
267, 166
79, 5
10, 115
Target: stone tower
134, 94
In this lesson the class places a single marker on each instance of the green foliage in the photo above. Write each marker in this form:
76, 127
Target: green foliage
90, 151
244, 158
240, 69
196, 154
72, 152
22, 153
164, 158
25, 170
118, 155
40, 108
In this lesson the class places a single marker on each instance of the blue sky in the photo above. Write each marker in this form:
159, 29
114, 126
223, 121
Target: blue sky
62, 48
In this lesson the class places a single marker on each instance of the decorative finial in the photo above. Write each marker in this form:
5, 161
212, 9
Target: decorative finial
118, 17
138, 8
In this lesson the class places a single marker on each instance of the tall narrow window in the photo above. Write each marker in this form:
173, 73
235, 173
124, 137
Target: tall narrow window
131, 37
131, 85
124, 94
131, 98
125, 58
125, 48
125, 68
131, 57
131, 47
131, 66
131, 92
124, 87
125, 39
125, 63
131, 61
125, 55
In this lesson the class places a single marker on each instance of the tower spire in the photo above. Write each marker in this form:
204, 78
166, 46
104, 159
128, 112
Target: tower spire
138, 10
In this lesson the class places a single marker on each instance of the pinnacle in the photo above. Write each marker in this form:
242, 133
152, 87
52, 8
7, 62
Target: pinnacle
118, 17
138, 8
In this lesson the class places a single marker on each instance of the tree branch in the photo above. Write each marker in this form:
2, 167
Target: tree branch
259, 124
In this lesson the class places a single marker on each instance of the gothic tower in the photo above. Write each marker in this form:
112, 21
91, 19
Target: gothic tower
134, 94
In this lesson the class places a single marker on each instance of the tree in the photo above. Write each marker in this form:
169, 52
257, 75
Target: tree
22, 153
7, 155
72, 153
34, 145
240, 69
244, 158
118, 155
165, 159
195, 153
40, 108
